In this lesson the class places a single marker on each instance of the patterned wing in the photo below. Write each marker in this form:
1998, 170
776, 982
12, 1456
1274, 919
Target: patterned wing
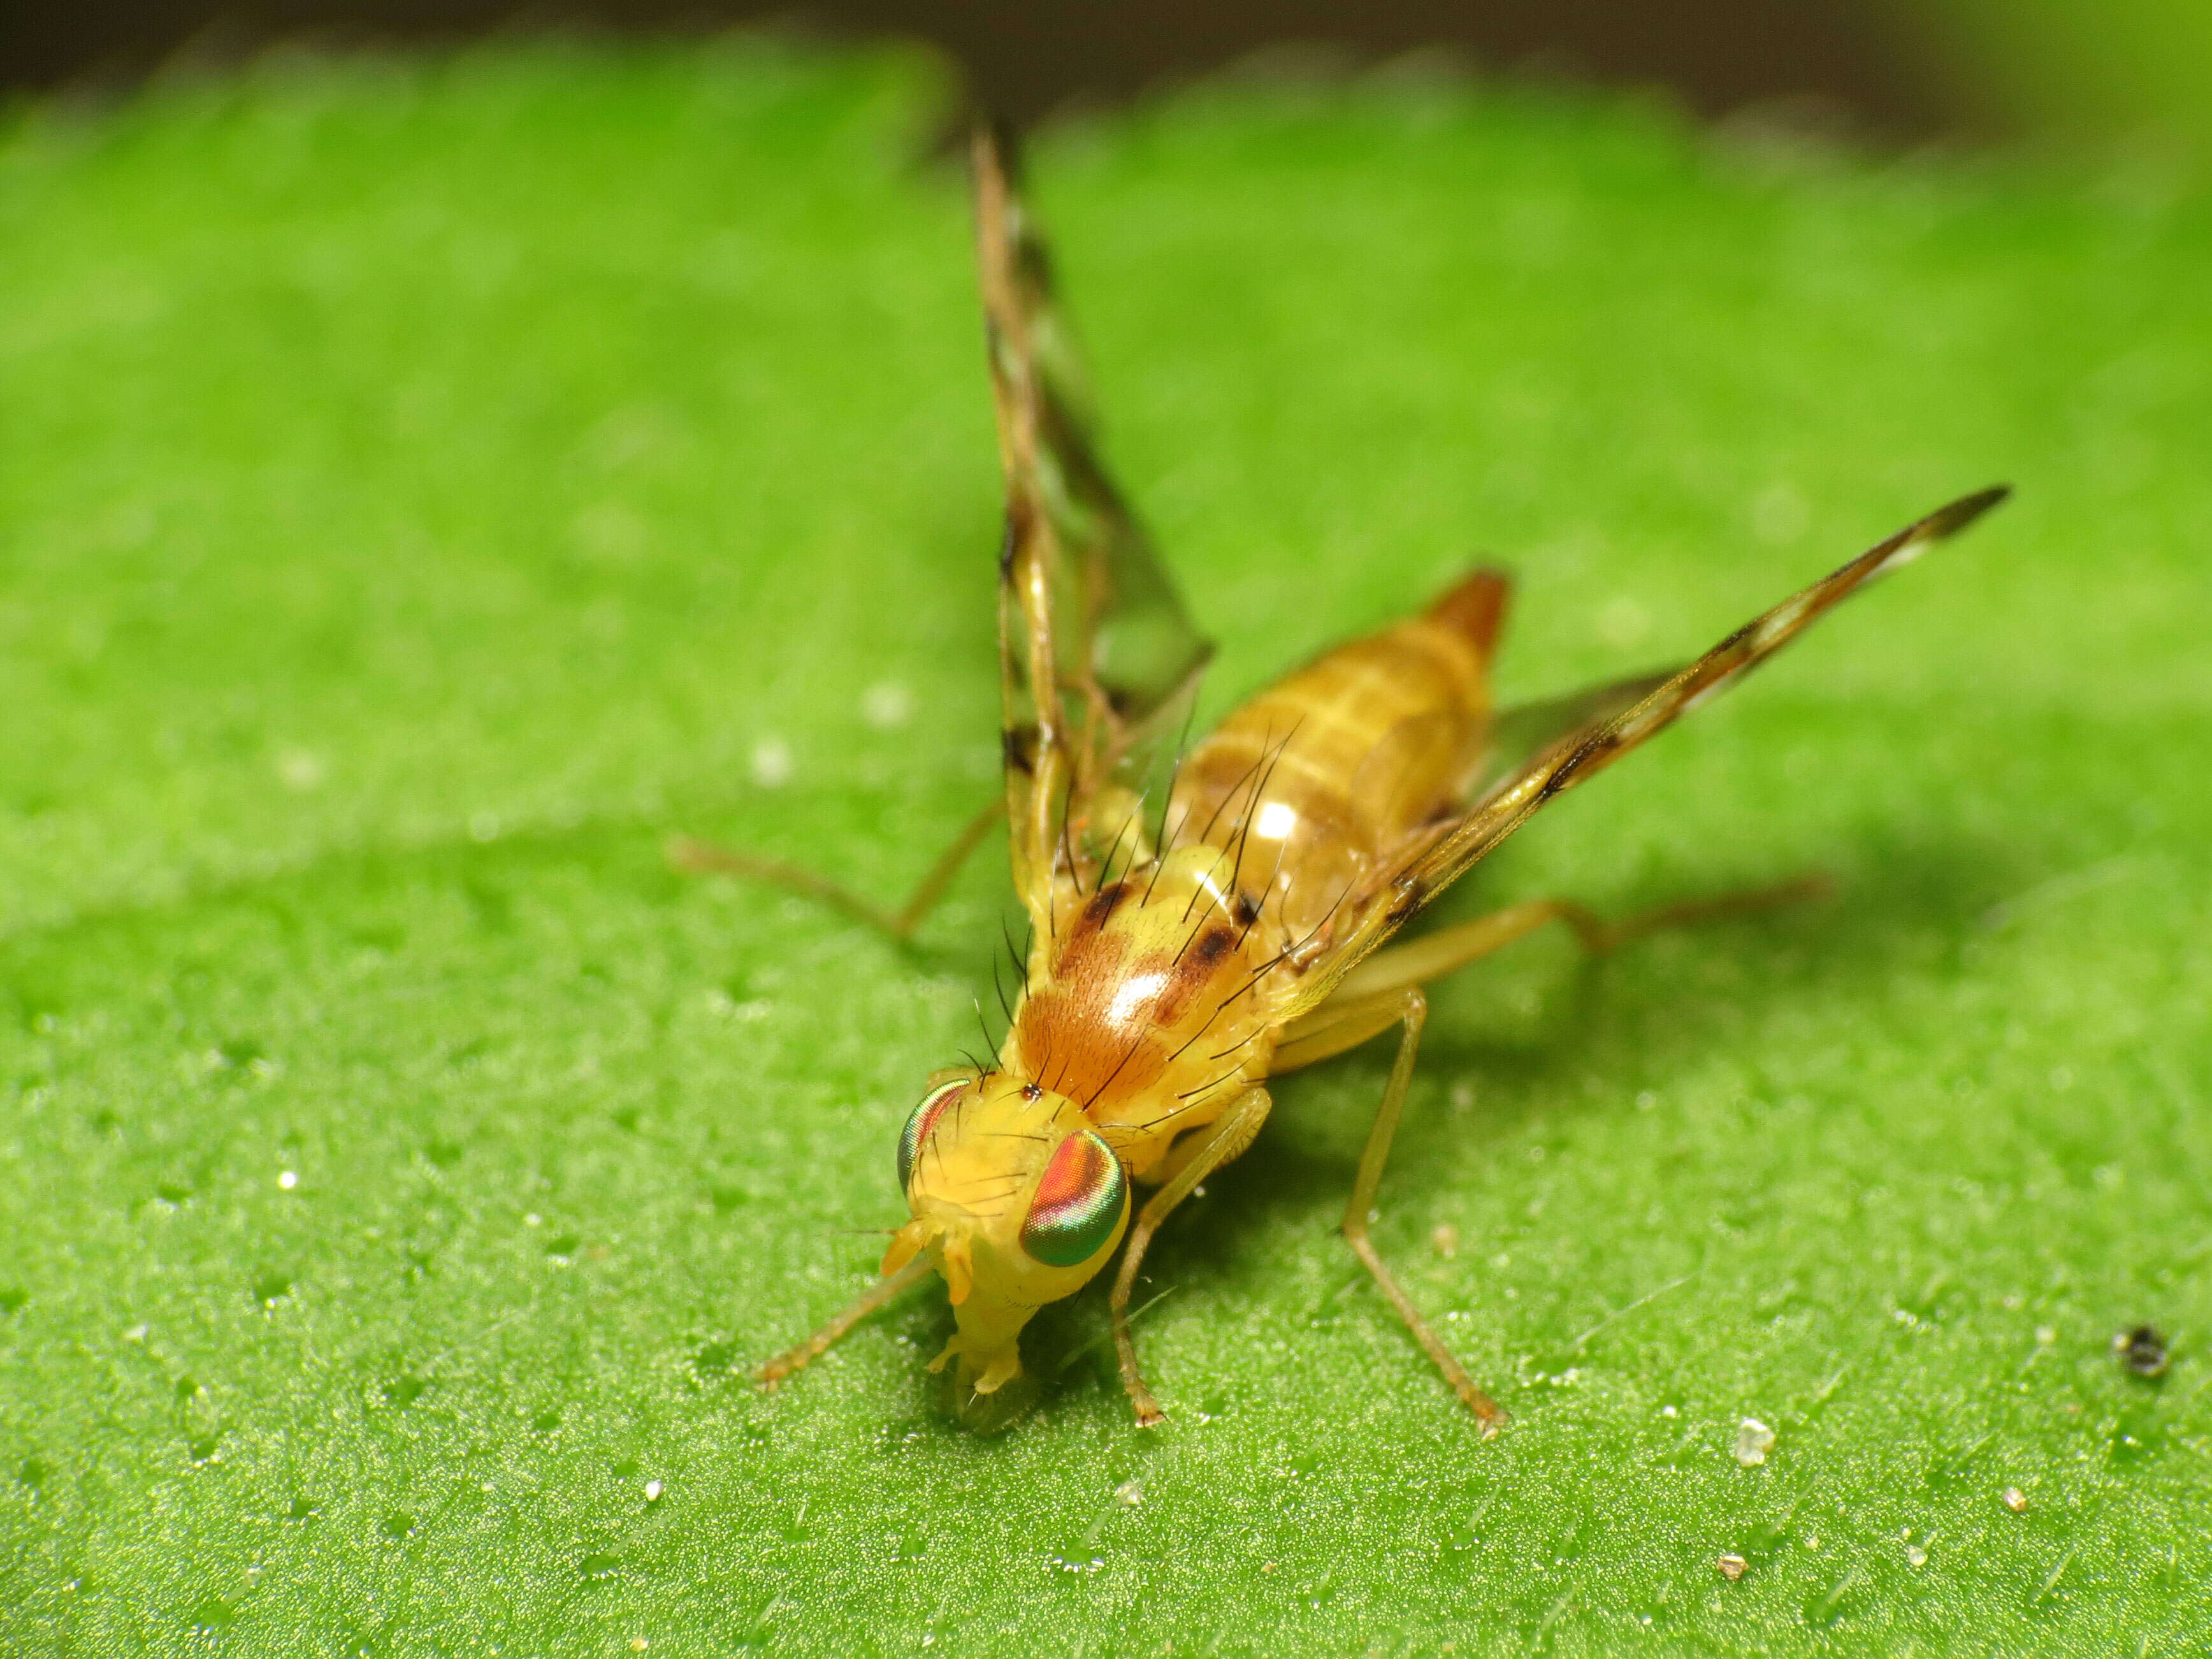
1518, 735
1097, 660
1443, 855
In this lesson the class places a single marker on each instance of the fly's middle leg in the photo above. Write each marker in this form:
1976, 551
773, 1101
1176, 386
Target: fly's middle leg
1412, 1011
702, 858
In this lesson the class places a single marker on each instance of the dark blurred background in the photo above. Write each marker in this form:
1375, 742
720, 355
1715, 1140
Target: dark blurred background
1028, 57
1897, 70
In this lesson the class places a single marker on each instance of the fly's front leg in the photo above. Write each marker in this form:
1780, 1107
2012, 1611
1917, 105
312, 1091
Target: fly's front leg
1211, 1147
884, 1290
1413, 1010
701, 857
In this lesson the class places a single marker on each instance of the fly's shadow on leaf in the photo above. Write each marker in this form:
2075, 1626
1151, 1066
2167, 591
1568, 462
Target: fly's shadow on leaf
992, 1414
1889, 896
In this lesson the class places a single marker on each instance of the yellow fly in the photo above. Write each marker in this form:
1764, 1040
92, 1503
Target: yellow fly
1179, 962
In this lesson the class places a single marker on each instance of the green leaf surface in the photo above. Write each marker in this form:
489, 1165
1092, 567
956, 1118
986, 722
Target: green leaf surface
426, 488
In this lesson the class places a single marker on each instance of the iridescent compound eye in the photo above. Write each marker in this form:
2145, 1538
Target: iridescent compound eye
919, 1126
1079, 1204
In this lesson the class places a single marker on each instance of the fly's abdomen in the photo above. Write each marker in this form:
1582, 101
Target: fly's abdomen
1317, 779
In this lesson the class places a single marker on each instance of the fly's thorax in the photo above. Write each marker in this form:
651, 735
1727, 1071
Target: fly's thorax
1154, 1007
1018, 1201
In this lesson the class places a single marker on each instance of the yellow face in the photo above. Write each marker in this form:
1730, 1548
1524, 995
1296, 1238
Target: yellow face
1017, 1201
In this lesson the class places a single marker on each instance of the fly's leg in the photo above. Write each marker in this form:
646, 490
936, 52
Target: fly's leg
1385, 991
884, 1290
1411, 1010
1611, 936
701, 858
1324, 1031
1211, 1147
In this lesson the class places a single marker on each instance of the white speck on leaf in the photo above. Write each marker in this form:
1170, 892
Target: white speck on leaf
1753, 1440
299, 770
887, 705
772, 763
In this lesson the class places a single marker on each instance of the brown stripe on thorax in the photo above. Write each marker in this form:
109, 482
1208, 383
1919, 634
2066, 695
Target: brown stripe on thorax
1140, 1000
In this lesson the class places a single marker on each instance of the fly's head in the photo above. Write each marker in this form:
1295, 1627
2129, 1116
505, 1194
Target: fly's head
1018, 1203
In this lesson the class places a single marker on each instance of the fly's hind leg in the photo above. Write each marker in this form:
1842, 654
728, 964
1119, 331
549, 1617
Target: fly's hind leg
1385, 991
1324, 1032
701, 857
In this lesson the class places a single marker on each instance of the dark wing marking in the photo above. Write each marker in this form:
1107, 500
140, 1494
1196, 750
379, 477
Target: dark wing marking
1442, 856
1518, 735
1097, 656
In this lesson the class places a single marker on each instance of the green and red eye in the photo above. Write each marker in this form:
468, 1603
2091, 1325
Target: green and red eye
921, 1123
1078, 1204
